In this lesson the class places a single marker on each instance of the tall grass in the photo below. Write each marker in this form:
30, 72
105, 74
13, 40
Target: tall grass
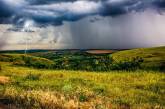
95, 90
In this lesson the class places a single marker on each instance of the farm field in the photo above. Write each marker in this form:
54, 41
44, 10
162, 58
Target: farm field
34, 81
100, 51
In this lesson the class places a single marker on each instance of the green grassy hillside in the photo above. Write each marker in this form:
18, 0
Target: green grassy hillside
47, 80
25, 87
154, 58
143, 58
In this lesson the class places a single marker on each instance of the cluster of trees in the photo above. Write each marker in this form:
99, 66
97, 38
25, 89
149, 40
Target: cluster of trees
76, 62
103, 63
27, 60
128, 64
5, 58
35, 62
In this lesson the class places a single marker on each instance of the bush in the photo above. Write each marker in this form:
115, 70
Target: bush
162, 66
37, 62
97, 63
131, 64
83, 98
80, 62
4, 58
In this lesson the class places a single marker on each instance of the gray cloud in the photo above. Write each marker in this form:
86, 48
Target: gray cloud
54, 12
127, 31
83, 24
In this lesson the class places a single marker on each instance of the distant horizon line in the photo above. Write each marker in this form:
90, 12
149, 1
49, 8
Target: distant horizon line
78, 49
60, 49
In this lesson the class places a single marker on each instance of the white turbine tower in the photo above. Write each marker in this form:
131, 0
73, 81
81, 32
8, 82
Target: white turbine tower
27, 28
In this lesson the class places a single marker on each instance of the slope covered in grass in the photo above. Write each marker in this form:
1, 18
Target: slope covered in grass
27, 60
24, 86
154, 58
52, 89
143, 58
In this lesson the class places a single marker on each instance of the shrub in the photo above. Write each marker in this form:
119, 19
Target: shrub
131, 64
162, 66
4, 58
80, 62
37, 62
83, 97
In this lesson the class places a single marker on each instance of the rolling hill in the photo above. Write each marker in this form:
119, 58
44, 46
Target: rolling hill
34, 81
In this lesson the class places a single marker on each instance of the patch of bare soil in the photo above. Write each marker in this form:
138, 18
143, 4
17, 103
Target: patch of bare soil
100, 51
3, 106
6, 104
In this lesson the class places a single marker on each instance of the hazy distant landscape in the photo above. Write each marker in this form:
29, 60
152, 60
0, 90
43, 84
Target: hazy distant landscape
71, 79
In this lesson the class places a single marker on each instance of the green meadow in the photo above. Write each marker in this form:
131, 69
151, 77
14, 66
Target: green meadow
129, 79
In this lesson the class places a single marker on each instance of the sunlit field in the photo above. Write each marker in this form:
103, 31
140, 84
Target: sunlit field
31, 87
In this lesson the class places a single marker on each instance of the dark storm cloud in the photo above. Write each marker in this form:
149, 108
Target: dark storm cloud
54, 12
134, 30
111, 23
39, 2
159, 3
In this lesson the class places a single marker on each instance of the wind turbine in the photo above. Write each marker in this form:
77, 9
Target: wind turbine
27, 28
27, 44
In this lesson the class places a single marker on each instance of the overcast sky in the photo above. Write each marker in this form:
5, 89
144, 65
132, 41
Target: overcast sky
90, 24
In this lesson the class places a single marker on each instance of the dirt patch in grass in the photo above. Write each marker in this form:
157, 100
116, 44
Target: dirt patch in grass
100, 51
4, 106
4, 80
